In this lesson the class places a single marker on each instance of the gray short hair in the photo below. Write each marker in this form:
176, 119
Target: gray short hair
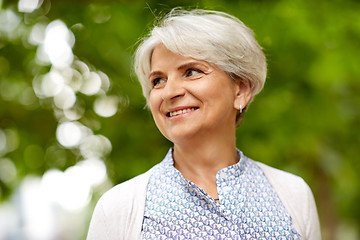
215, 37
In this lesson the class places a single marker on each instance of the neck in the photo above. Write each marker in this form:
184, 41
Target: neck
200, 161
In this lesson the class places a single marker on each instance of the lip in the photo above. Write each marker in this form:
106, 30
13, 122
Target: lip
181, 108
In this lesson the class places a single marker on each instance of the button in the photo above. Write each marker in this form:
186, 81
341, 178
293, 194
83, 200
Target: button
223, 175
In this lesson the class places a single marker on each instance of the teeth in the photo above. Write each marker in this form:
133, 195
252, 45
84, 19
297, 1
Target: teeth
181, 111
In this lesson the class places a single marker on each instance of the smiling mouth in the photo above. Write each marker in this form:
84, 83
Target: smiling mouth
175, 113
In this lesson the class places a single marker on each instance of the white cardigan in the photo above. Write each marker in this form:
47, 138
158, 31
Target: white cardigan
120, 211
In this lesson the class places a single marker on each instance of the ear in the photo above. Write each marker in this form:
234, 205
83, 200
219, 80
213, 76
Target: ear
242, 93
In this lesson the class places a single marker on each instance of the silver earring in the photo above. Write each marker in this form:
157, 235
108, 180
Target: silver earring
240, 108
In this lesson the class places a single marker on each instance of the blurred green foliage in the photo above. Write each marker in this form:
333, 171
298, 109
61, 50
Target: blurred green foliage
305, 121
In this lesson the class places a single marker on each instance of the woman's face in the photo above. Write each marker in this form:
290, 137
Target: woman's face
191, 98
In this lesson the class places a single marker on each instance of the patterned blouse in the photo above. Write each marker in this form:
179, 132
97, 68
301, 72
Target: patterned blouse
248, 208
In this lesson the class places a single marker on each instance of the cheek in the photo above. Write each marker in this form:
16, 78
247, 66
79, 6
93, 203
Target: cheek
152, 101
154, 104
215, 92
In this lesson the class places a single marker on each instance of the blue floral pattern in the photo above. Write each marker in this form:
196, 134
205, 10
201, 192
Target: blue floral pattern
248, 208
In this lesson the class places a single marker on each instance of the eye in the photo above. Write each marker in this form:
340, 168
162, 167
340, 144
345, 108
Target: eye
157, 81
192, 72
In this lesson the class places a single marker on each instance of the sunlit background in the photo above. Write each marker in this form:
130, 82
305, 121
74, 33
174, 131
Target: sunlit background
55, 203
73, 123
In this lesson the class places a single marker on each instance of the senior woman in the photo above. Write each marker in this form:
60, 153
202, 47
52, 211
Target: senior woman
199, 71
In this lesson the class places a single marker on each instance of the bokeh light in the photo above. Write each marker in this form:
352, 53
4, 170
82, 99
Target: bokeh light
9, 141
57, 45
69, 134
95, 146
66, 98
37, 34
106, 106
8, 220
38, 217
105, 81
72, 189
91, 83
52, 83
2, 141
74, 113
8, 170
8, 22
28, 5
94, 171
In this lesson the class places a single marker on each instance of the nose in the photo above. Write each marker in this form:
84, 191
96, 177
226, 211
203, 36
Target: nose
173, 89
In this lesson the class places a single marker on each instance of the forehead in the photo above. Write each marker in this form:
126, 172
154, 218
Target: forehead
163, 57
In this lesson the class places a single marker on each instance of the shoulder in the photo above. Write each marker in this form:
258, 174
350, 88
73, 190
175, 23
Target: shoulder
126, 191
118, 213
283, 180
298, 199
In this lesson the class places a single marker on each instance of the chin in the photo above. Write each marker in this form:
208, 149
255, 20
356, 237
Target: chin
182, 136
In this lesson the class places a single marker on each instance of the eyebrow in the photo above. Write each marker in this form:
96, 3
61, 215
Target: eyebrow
155, 73
183, 66
190, 64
